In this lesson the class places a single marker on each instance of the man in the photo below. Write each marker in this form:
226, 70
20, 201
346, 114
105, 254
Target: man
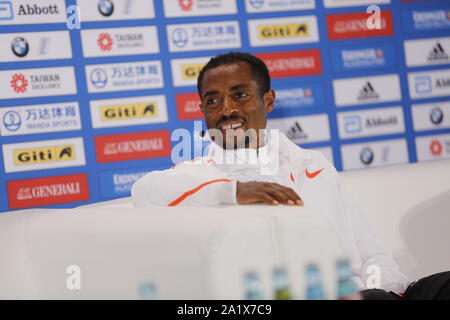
235, 97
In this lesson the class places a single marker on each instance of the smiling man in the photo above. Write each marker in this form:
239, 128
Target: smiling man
235, 97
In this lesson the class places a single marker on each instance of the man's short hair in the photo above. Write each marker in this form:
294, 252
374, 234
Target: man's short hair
258, 67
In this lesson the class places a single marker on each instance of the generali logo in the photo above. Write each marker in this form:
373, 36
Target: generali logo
188, 106
132, 146
293, 63
354, 25
47, 191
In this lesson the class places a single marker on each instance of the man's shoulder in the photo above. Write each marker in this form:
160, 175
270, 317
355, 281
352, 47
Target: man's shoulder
290, 149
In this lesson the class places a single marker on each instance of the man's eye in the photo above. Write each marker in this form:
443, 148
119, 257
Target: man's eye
241, 95
211, 101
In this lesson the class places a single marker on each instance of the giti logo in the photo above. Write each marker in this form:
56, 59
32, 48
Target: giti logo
40, 155
129, 111
191, 71
283, 31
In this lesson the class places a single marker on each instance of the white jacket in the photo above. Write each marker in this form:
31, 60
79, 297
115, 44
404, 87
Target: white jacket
211, 181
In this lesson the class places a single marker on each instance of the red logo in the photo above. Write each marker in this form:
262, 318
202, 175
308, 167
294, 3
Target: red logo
314, 174
186, 5
436, 148
292, 63
132, 146
46, 191
19, 83
105, 41
354, 25
188, 106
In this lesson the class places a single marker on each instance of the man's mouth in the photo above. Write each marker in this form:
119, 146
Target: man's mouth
230, 125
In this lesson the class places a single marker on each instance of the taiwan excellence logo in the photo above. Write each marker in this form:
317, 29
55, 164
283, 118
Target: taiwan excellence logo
12, 121
20, 47
179, 37
106, 7
19, 83
99, 78
105, 42
186, 5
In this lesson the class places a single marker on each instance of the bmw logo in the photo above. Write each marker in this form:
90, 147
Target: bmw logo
257, 4
106, 7
98, 78
179, 37
12, 121
366, 156
20, 47
436, 115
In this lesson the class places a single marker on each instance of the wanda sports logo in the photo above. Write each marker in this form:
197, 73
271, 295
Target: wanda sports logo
132, 146
19, 83
355, 25
47, 191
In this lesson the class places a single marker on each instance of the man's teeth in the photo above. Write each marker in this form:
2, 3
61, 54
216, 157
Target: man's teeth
231, 126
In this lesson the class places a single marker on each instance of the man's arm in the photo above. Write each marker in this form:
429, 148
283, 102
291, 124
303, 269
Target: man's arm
193, 184
187, 184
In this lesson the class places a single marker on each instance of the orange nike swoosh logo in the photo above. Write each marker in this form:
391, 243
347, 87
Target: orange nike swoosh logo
313, 174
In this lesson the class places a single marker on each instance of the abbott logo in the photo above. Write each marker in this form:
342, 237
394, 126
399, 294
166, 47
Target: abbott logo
423, 84
6, 10
352, 124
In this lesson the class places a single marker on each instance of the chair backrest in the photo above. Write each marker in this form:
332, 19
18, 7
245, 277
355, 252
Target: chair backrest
407, 205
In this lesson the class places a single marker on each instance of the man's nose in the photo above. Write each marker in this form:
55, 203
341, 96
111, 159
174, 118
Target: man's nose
228, 106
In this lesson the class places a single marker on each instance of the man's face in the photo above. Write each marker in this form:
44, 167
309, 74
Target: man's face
232, 103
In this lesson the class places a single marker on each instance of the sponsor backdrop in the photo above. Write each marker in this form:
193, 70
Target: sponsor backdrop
85, 112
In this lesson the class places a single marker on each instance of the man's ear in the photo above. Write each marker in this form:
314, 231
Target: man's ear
269, 100
202, 108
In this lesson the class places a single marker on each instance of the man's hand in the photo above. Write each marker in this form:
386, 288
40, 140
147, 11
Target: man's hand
267, 192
